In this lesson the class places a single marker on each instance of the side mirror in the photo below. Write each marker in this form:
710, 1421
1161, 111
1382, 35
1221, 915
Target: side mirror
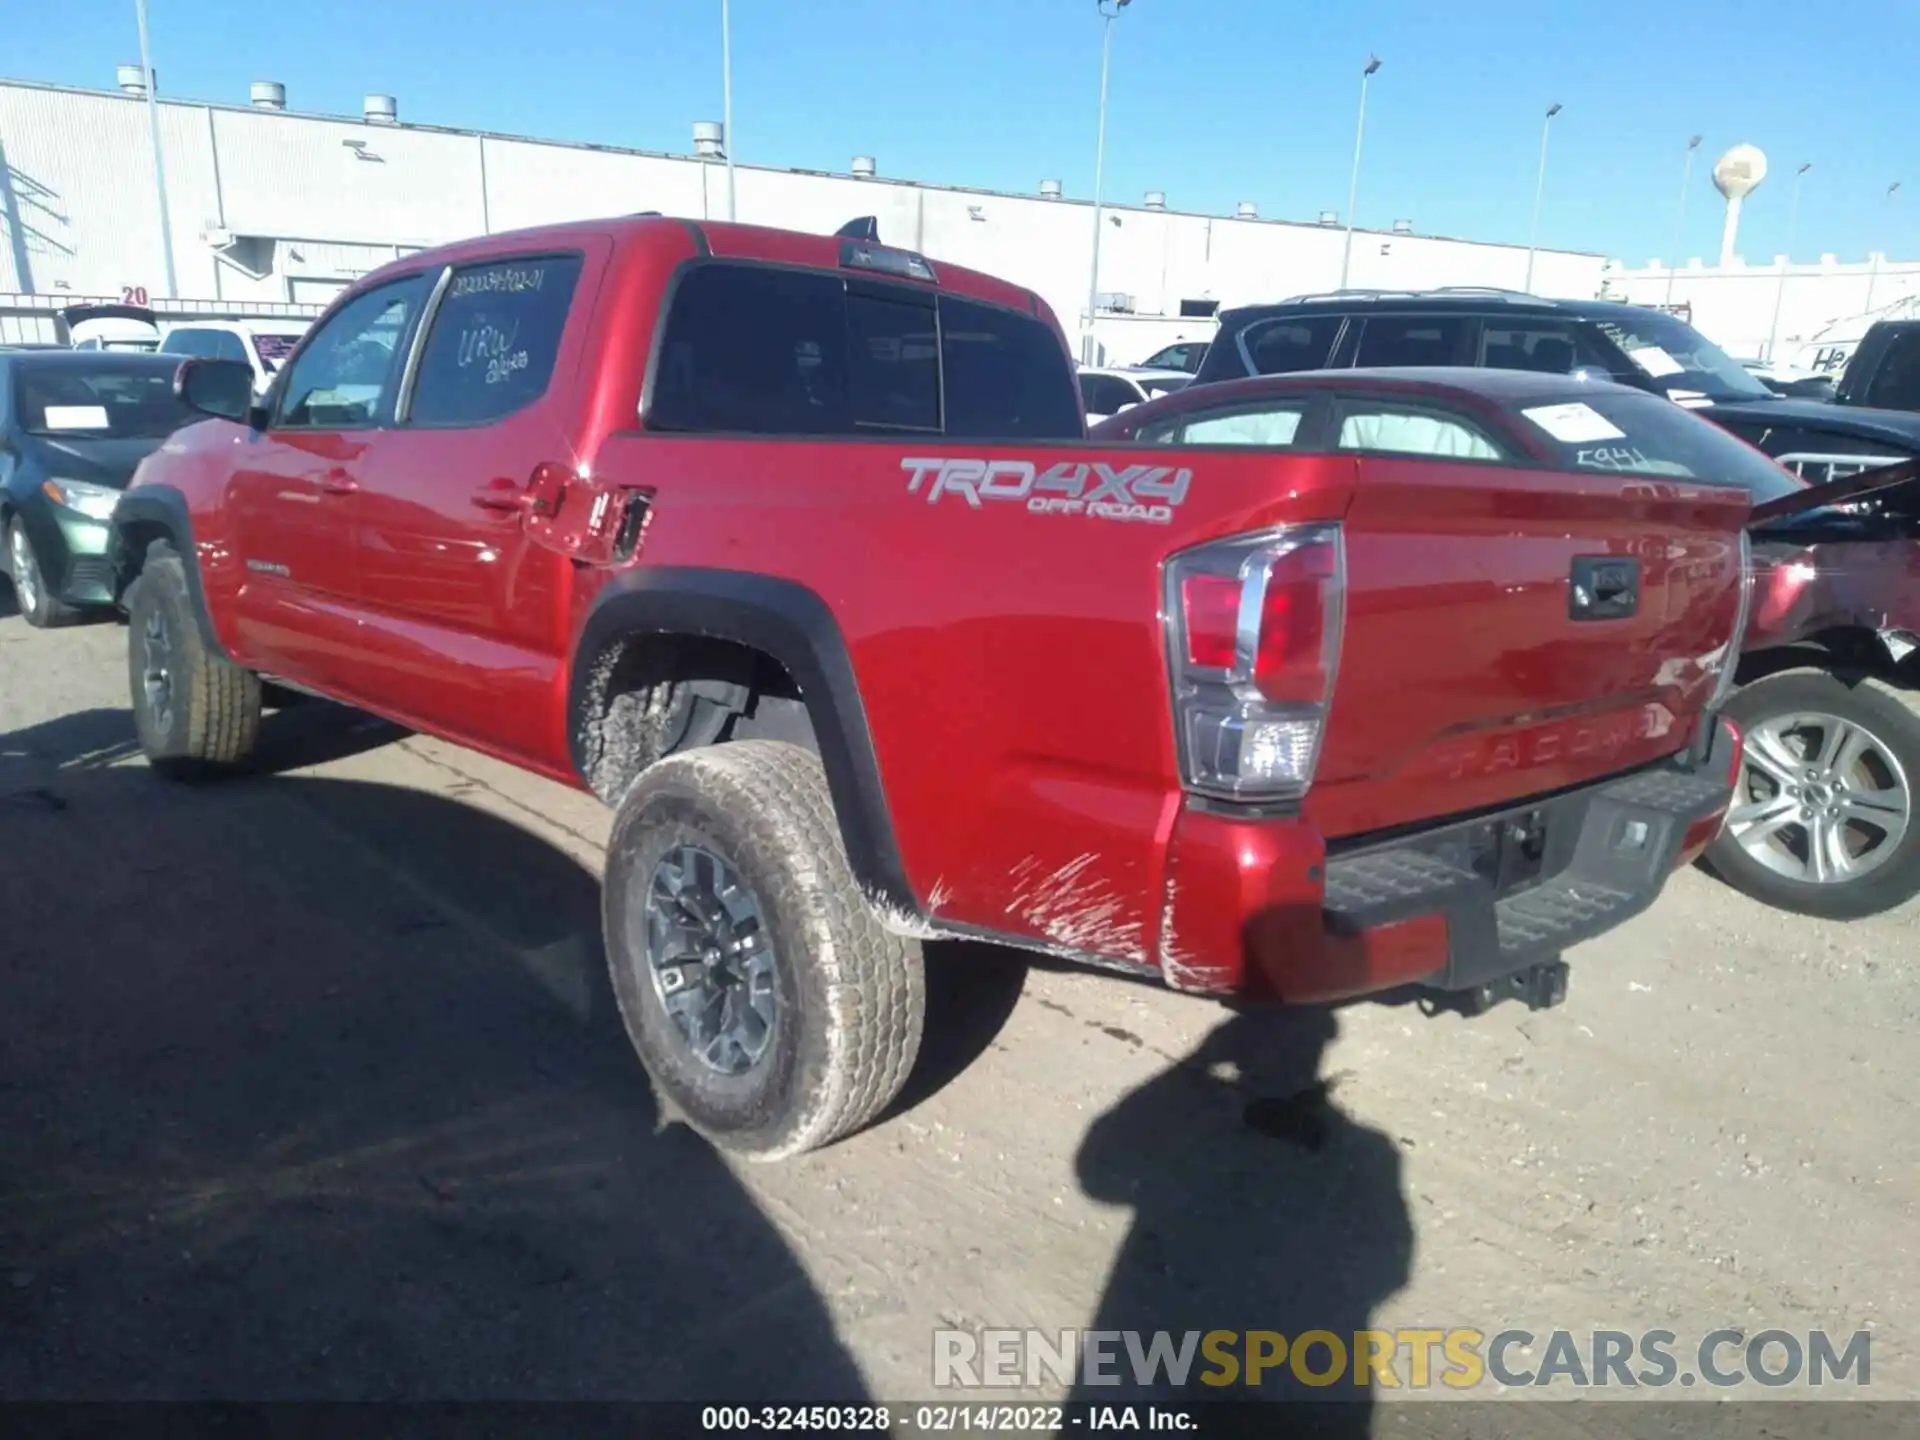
217, 387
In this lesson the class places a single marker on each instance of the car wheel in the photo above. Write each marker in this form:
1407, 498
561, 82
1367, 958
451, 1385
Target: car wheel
772, 1009
195, 711
1822, 821
38, 604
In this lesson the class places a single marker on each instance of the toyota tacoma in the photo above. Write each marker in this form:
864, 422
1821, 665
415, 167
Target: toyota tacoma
794, 549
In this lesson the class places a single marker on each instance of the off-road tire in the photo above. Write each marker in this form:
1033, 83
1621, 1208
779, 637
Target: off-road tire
1868, 702
851, 995
48, 611
213, 719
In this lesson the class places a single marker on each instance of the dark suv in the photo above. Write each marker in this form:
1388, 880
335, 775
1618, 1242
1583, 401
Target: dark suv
1502, 329
1825, 821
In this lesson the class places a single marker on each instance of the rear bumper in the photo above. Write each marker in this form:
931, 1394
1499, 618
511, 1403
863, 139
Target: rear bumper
1258, 906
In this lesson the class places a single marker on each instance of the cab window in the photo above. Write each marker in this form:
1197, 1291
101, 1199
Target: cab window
347, 377
494, 339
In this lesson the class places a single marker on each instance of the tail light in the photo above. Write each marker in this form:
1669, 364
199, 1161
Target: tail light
1253, 640
1743, 611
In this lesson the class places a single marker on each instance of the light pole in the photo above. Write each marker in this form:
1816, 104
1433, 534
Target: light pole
1873, 274
159, 165
1680, 220
1539, 189
726, 98
1109, 12
1780, 290
1353, 185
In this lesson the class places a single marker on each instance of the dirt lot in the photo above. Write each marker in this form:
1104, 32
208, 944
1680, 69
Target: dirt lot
310, 1086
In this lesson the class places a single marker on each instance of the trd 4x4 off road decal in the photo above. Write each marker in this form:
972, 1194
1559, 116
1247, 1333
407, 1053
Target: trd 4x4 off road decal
1145, 493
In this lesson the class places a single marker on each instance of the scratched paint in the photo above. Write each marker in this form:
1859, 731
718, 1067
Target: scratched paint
1076, 909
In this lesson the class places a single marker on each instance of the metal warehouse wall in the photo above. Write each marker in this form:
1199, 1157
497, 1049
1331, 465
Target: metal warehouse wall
298, 205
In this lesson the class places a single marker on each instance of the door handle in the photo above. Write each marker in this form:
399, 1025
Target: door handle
338, 482
499, 497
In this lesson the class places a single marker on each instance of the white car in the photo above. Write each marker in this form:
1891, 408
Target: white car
107, 327
262, 345
1106, 393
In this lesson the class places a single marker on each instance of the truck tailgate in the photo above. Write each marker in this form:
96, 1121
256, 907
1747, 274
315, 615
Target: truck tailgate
1511, 633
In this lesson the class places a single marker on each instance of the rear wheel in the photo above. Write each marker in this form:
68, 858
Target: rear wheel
773, 1011
40, 607
1822, 821
196, 712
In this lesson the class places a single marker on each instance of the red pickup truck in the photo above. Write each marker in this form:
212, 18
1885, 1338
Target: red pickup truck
794, 548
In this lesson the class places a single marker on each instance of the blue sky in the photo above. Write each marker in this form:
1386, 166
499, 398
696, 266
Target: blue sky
1213, 101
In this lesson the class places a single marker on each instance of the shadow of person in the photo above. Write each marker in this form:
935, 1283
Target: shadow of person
1258, 1205
315, 1089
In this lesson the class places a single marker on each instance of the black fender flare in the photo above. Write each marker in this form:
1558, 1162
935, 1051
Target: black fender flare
164, 508
792, 625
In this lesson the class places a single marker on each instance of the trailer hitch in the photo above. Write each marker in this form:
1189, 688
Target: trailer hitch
1538, 987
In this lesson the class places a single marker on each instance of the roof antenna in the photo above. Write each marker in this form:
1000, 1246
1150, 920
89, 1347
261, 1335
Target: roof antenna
867, 227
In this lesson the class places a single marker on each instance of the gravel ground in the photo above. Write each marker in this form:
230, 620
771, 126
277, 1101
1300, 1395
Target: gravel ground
310, 1086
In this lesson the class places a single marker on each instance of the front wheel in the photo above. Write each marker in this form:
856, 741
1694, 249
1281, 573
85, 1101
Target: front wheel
40, 607
773, 1011
195, 711
1822, 820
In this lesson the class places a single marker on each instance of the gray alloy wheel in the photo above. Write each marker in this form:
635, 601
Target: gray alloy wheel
156, 669
711, 959
24, 569
1821, 799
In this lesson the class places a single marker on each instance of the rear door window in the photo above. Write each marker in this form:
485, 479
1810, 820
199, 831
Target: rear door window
1398, 430
495, 338
1281, 347
1394, 341
1541, 345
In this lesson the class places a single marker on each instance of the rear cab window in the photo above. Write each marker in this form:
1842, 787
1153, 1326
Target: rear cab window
766, 350
1647, 435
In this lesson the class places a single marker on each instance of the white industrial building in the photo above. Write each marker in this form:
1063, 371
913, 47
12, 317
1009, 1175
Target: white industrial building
273, 210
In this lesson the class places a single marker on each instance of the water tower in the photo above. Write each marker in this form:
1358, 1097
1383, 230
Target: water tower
1736, 175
